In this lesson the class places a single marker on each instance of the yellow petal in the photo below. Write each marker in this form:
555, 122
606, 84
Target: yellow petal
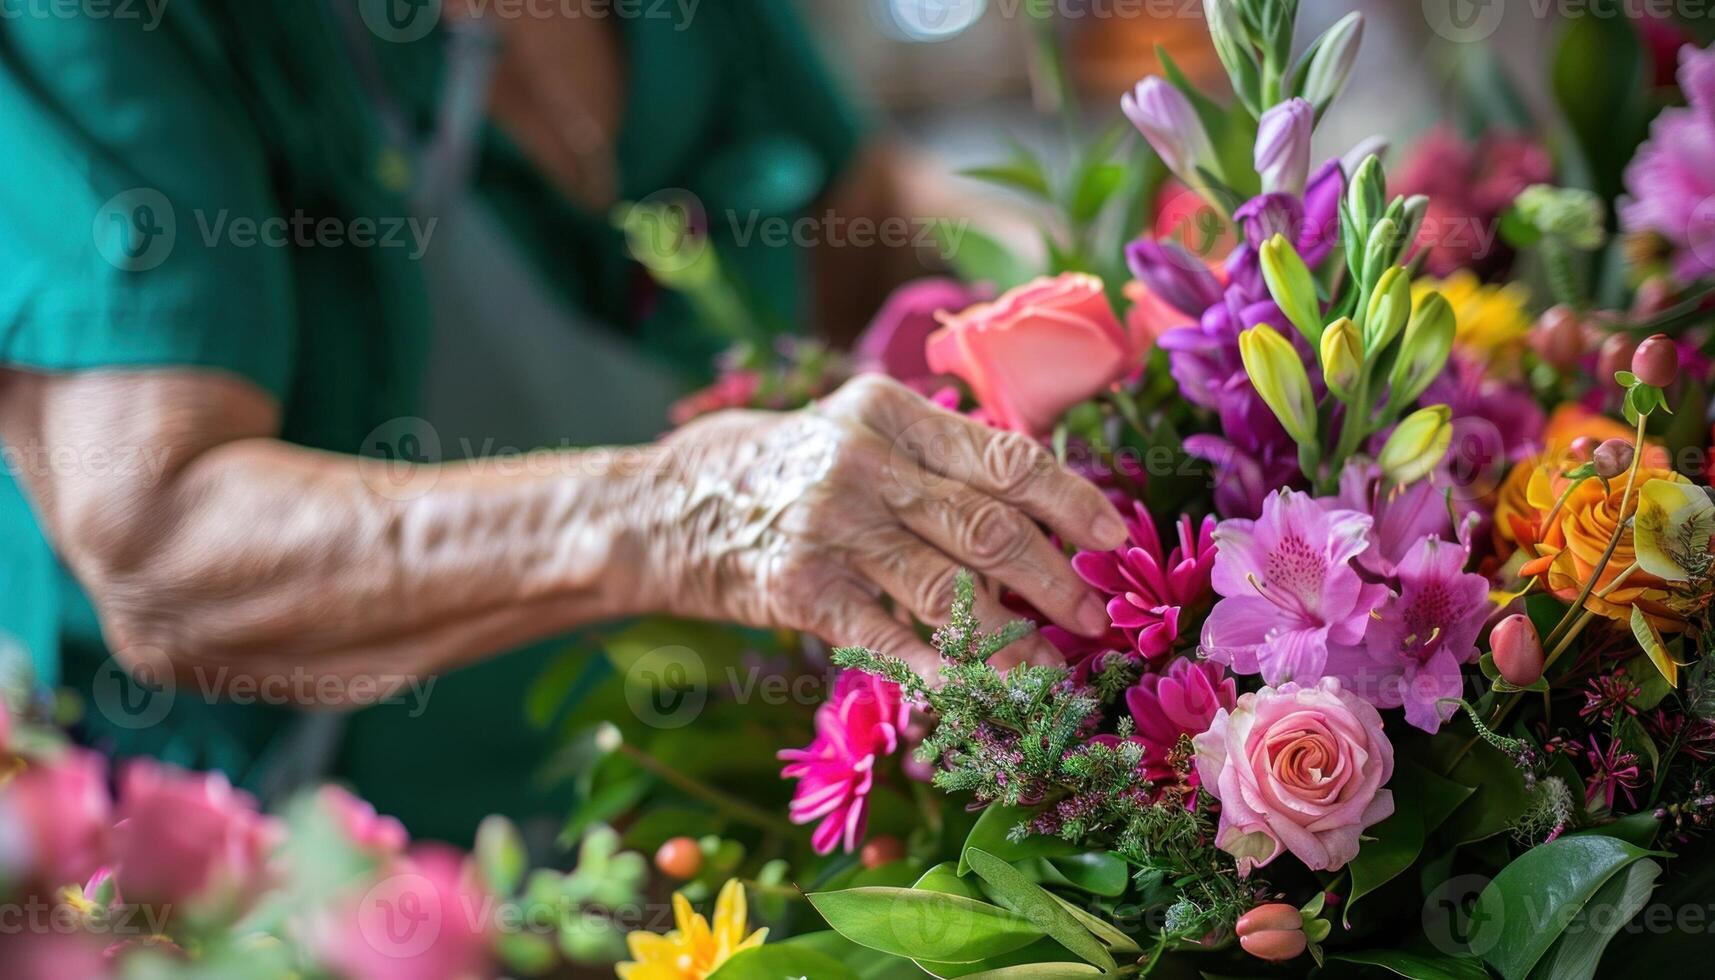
731, 911
1672, 530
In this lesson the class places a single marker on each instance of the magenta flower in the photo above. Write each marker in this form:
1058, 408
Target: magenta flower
55, 818
863, 721
1178, 702
423, 918
1420, 637
1289, 588
1669, 183
1148, 586
1613, 771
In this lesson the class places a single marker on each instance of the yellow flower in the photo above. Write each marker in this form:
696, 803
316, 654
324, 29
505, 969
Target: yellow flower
1492, 320
695, 949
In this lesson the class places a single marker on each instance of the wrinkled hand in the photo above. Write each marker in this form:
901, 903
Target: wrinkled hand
805, 519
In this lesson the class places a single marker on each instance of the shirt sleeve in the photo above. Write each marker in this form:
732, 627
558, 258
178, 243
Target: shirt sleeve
133, 217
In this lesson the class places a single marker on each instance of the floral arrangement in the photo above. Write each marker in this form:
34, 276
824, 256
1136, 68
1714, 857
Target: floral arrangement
1406, 667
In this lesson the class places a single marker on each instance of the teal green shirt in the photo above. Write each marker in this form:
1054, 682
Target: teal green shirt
138, 159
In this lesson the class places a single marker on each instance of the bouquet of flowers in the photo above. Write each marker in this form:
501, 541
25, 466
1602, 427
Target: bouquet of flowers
1406, 666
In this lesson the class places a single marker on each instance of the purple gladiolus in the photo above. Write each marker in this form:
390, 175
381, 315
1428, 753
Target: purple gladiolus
1283, 147
1290, 591
1420, 637
1166, 118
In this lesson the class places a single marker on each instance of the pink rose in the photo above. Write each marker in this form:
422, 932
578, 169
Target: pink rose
1298, 768
895, 339
54, 820
189, 838
365, 829
1038, 350
424, 918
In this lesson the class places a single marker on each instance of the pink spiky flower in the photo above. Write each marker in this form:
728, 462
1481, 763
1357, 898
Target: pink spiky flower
861, 723
1149, 588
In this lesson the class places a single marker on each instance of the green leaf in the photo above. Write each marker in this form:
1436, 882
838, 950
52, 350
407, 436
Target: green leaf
865, 964
1530, 903
1095, 186
992, 832
1422, 800
1026, 178
924, 924
1097, 872
1419, 966
500, 855
1099, 927
1500, 795
1576, 953
1032, 901
777, 960
1038, 971
1654, 647
1599, 80
978, 258
944, 878
1041, 951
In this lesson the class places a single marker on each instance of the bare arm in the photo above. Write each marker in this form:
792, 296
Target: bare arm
229, 548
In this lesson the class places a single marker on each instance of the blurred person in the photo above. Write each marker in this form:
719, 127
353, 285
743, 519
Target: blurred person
227, 277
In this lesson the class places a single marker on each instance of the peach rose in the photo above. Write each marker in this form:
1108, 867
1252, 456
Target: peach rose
1038, 350
1298, 768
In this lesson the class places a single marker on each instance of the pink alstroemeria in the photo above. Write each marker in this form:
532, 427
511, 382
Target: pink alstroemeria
1181, 701
1290, 591
1420, 637
864, 721
1403, 516
1149, 586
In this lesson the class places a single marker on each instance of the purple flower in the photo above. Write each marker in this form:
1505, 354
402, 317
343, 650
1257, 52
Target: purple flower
1670, 187
1180, 701
1149, 586
895, 340
1174, 274
1166, 118
1283, 146
1420, 637
1403, 516
1290, 591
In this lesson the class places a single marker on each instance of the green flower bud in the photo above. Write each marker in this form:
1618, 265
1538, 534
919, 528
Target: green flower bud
1291, 285
1279, 377
1342, 357
1423, 352
1416, 209
1382, 249
1417, 444
1331, 63
1390, 307
1367, 194
1570, 213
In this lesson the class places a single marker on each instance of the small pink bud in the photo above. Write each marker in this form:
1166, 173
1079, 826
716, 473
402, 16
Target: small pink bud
1559, 337
1614, 356
1517, 650
1612, 458
1273, 932
1655, 295
1584, 447
1656, 361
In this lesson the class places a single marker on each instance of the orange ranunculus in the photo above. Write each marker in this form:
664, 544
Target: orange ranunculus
1569, 547
1038, 350
1516, 515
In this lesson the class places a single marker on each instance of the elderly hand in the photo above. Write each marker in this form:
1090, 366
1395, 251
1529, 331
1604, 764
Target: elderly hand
805, 519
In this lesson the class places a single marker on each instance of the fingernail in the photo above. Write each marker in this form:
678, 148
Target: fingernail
1092, 616
1111, 530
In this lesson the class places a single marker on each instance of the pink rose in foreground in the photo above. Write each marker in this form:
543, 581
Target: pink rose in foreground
51, 955
862, 722
58, 817
425, 918
895, 340
1297, 768
1038, 350
189, 838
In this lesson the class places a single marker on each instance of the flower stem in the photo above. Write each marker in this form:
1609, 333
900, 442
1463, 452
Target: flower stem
729, 805
1613, 539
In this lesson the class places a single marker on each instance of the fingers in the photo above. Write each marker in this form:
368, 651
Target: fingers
919, 577
998, 541
940, 451
850, 617
1033, 650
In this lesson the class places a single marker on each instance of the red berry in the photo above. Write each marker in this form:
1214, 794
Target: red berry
1615, 356
680, 858
1559, 337
1612, 458
1584, 447
881, 850
1656, 361
1517, 650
